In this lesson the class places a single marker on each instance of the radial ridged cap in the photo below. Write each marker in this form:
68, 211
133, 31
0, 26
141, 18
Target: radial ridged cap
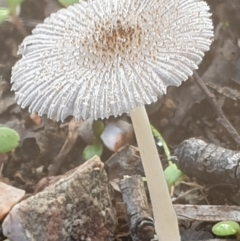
105, 57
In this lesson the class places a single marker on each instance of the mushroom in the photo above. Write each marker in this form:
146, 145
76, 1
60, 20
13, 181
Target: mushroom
106, 57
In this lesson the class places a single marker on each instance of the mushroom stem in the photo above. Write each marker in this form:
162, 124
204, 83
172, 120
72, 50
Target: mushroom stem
166, 224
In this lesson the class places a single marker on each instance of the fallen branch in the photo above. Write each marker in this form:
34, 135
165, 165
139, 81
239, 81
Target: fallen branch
207, 213
222, 118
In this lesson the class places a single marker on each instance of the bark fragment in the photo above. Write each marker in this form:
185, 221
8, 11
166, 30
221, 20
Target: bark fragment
208, 163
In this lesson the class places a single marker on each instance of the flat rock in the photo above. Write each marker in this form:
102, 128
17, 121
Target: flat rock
9, 196
76, 207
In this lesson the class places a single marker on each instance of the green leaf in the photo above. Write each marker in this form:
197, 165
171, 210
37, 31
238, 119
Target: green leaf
172, 174
12, 4
98, 128
4, 12
96, 149
67, 3
9, 139
226, 228
159, 137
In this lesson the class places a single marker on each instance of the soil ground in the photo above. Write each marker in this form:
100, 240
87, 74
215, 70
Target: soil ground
183, 113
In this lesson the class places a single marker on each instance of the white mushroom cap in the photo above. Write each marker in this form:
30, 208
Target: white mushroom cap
105, 57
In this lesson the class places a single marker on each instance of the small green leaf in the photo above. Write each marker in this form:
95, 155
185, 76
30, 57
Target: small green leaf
98, 128
172, 174
96, 149
226, 228
67, 3
159, 137
12, 4
9, 139
4, 12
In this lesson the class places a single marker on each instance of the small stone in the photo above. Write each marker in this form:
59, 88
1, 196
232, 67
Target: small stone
117, 134
9, 196
77, 205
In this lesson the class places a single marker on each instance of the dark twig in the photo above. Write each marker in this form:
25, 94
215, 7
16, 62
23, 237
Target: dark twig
18, 24
134, 197
66, 148
223, 120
